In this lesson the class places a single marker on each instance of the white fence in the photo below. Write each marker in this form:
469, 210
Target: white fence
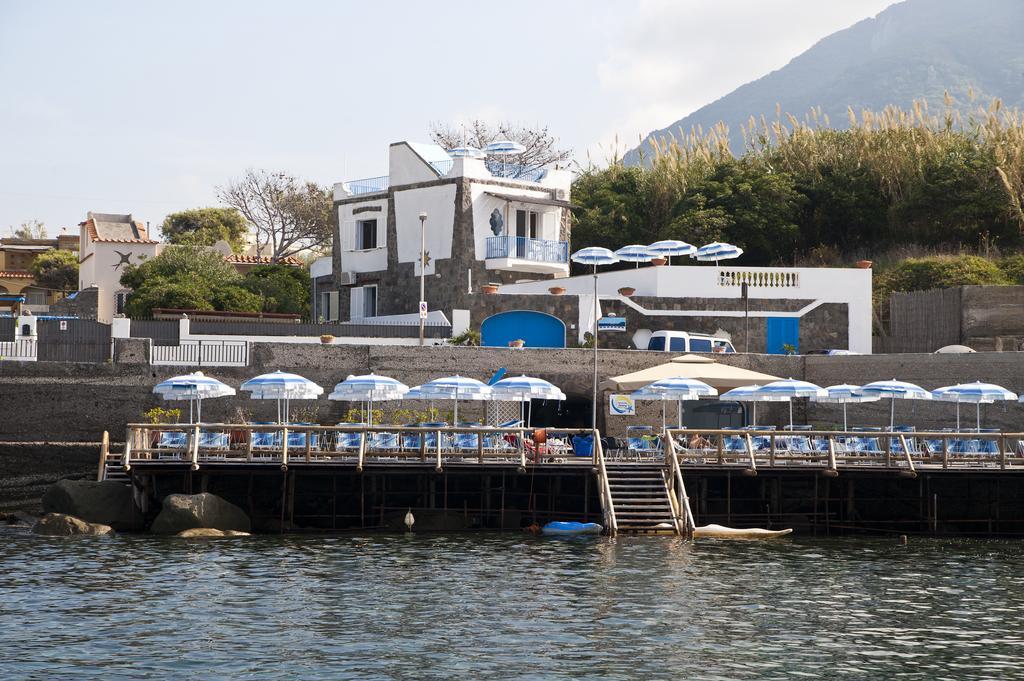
26, 350
224, 353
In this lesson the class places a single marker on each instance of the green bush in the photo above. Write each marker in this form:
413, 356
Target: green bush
941, 271
1013, 268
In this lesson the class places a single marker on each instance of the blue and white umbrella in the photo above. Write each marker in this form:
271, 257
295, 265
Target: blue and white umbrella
677, 390
283, 387
752, 394
369, 388
504, 148
594, 255
466, 152
669, 247
716, 251
789, 390
895, 390
635, 253
976, 393
194, 387
844, 394
525, 389
453, 388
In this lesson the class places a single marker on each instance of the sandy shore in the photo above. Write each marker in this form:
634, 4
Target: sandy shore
26, 470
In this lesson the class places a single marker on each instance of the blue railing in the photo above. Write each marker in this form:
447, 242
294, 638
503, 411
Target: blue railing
442, 167
515, 171
523, 248
367, 185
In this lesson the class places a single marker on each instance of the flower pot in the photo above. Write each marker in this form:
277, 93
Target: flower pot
627, 291
659, 261
556, 290
326, 338
490, 289
863, 264
516, 343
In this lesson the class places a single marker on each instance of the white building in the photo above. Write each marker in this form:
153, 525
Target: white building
108, 243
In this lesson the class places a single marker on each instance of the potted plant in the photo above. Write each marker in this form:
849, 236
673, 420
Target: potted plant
517, 343
863, 264
627, 291
659, 261
556, 290
326, 338
490, 289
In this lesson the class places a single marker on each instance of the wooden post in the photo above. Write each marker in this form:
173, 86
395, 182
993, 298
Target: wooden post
1002, 453
248, 445
945, 452
832, 455
750, 453
771, 449
480, 447
104, 450
126, 456
309, 445
437, 467
721, 453
362, 451
195, 448
284, 448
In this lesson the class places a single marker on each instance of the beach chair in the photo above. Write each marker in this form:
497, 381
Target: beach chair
174, 442
383, 441
641, 441
216, 441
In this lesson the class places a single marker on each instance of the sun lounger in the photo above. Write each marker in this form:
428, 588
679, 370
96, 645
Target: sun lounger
173, 439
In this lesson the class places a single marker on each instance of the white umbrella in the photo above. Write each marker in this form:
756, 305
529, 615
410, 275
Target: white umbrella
677, 390
750, 393
454, 388
635, 253
193, 387
504, 148
895, 390
525, 389
283, 387
977, 393
466, 152
594, 255
789, 390
369, 388
669, 247
716, 251
844, 394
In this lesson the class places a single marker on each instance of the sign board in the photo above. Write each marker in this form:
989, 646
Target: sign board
63, 325
611, 324
423, 309
621, 405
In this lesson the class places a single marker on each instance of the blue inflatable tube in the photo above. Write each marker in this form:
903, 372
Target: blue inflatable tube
560, 528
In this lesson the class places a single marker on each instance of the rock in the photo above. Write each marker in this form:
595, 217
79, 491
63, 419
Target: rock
61, 525
108, 503
210, 532
188, 511
17, 518
722, 532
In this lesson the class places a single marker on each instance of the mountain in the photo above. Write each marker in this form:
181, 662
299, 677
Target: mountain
917, 49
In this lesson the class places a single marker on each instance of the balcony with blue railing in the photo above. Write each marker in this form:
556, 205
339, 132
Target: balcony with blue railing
524, 248
367, 185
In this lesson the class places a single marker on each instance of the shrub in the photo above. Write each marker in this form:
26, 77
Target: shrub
943, 271
1013, 268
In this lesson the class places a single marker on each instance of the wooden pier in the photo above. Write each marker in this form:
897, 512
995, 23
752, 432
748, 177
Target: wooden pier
333, 478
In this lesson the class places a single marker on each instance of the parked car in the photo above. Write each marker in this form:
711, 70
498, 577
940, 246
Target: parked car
681, 341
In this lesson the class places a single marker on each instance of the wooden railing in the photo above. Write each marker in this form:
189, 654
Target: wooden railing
607, 504
295, 444
685, 523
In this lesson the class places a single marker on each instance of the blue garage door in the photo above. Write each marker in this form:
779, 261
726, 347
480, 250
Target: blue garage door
783, 331
538, 329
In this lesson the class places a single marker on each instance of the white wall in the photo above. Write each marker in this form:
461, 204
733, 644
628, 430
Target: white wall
439, 204
817, 284
368, 260
104, 270
405, 166
484, 204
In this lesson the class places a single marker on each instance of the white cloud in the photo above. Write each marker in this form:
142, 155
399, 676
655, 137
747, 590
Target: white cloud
671, 57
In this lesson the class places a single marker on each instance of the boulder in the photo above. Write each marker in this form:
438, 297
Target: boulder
188, 511
108, 503
61, 525
210, 532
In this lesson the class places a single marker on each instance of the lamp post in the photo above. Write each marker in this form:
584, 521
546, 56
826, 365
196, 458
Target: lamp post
423, 270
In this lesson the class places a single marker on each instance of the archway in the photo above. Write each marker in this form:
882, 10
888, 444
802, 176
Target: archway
537, 329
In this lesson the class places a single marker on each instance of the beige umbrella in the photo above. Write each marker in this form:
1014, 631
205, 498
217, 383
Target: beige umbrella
718, 376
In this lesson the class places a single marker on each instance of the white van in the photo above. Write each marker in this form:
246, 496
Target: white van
681, 341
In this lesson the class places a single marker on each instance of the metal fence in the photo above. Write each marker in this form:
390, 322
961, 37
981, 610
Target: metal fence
162, 332
368, 185
537, 250
224, 353
73, 340
7, 327
366, 329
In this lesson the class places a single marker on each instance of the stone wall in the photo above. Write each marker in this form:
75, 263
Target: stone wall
84, 305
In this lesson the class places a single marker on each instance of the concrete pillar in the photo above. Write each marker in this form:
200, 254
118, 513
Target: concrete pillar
120, 327
460, 321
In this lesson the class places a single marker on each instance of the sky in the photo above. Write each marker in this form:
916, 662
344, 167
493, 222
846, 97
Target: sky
145, 107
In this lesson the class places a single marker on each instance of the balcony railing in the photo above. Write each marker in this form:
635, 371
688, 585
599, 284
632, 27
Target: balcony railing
367, 185
523, 248
759, 279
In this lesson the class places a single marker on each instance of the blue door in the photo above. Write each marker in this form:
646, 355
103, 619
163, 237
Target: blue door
783, 331
538, 329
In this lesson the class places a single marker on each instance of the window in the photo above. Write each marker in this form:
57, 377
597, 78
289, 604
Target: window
34, 296
366, 234
677, 344
656, 343
324, 308
700, 345
120, 300
363, 302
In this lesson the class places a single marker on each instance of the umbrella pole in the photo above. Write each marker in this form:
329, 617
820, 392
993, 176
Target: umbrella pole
755, 414
199, 410
593, 412
791, 413
190, 419
892, 413
663, 416
679, 422
845, 427
958, 416
978, 422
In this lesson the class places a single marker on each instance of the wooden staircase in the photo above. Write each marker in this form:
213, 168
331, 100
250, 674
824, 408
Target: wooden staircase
640, 499
111, 464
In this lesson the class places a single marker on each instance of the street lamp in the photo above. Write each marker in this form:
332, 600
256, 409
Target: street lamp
423, 270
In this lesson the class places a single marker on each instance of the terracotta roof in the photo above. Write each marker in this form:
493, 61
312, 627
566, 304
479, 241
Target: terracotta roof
260, 260
116, 228
16, 274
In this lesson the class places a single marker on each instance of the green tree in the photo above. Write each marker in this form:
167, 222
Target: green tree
31, 229
205, 227
280, 288
186, 277
56, 269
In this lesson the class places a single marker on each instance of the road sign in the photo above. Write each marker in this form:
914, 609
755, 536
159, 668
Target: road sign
423, 309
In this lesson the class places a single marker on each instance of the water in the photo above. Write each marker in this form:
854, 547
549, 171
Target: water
507, 606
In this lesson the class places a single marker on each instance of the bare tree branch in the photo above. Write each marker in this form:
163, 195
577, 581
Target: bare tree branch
540, 146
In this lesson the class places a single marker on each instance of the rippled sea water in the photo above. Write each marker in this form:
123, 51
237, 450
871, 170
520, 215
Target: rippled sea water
479, 606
